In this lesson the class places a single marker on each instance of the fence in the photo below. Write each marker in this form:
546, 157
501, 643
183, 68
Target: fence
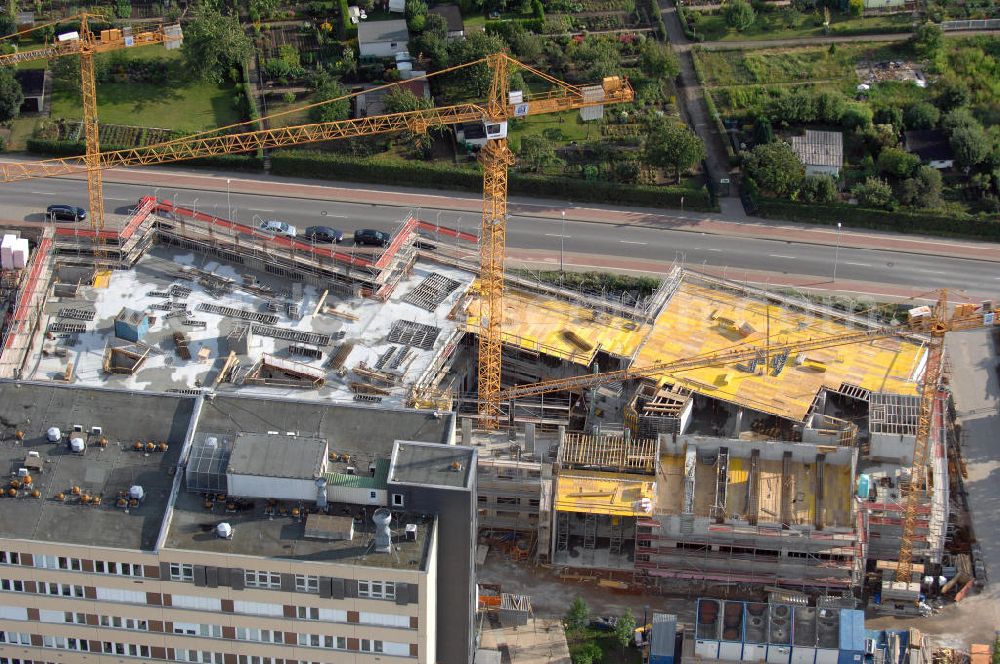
972, 24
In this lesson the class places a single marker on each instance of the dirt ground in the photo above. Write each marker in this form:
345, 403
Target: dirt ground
974, 620
551, 596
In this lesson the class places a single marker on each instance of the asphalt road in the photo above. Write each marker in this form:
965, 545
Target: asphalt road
540, 240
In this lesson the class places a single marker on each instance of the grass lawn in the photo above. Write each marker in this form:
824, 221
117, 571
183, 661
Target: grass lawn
475, 22
187, 104
779, 24
21, 130
293, 117
558, 127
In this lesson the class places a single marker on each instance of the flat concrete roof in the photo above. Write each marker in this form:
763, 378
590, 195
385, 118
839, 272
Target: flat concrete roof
258, 533
432, 465
280, 455
102, 472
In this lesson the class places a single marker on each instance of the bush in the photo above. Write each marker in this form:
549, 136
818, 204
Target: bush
818, 189
235, 162
874, 193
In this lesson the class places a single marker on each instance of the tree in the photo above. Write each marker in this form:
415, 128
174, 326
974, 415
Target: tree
578, 614
775, 168
856, 116
11, 95
625, 629
921, 115
66, 72
416, 15
586, 653
952, 93
969, 144
830, 106
763, 132
960, 117
436, 26
739, 15
856, 7
890, 115
658, 60
922, 190
337, 110
536, 153
214, 43
476, 46
8, 24
873, 193
673, 145
818, 189
897, 163
927, 40
401, 100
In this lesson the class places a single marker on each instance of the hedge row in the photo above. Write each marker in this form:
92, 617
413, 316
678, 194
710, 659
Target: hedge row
652, 9
985, 228
329, 166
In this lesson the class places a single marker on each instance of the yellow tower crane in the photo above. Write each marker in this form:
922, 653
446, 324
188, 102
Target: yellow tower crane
86, 44
500, 107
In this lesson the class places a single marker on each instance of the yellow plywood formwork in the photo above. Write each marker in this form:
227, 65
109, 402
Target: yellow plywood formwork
616, 494
701, 320
565, 330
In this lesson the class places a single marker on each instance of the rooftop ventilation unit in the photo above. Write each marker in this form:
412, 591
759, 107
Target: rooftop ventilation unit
383, 536
77, 446
54, 434
137, 492
224, 531
411, 532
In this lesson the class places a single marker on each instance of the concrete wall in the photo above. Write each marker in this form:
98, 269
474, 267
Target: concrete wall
896, 448
279, 488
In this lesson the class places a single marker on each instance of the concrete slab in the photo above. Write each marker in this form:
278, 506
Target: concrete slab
541, 641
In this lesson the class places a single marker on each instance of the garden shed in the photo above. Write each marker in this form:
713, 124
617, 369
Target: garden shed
821, 152
382, 39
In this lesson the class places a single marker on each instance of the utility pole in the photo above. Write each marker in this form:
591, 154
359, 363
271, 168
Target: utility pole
836, 255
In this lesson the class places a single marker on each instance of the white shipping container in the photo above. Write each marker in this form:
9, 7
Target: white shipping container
7, 252
20, 253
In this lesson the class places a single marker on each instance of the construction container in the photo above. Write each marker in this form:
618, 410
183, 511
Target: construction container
804, 635
708, 629
663, 639
852, 636
131, 325
779, 634
20, 253
827, 636
755, 632
7, 251
731, 644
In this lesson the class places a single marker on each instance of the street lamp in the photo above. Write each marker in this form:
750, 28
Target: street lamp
458, 238
836, 253
229, 201
194, 214
562, 239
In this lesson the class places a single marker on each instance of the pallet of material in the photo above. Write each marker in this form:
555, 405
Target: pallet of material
367, 388
181, 343
376, 376
333, 311
339, 356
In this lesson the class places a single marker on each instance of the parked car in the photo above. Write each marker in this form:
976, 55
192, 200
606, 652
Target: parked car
278, 228
371, 237
324, 234
604, 623
65, 213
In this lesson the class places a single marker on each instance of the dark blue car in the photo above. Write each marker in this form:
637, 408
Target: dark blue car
324, 234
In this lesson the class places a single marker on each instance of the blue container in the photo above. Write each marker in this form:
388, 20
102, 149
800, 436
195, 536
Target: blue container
852, 636
131, 325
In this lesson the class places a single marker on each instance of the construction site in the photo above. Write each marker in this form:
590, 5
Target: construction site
784, 469
709, 438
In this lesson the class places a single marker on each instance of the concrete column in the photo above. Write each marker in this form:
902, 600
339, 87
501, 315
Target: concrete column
529, 437
466, 430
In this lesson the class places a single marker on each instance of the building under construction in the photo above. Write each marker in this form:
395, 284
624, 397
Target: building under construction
782, 469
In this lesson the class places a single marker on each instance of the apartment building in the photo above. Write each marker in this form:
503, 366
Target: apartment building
231, 530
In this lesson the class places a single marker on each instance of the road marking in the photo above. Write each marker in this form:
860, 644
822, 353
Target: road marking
630, 242
555, 235
932, 271
707, 249
860, 264
258, 210
337, 216
783, 256
44, 193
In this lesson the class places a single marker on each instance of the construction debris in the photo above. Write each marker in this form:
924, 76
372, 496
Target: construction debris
242, 314
289, 334
125, 359
271, 370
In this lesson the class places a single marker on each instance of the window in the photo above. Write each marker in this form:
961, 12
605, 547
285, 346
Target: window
383, 619
46, 562
22, 638
12, 585
13, 613
307, 613
377, 589
65, 589
257, 608
65, 643
198, 656
70, 563
118, 595
259, 635
397, 500
372, 495
124, 623
506, 500
367, 645
10, 557
181, 572
200, 603
121, 569
306, 584
267, 580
